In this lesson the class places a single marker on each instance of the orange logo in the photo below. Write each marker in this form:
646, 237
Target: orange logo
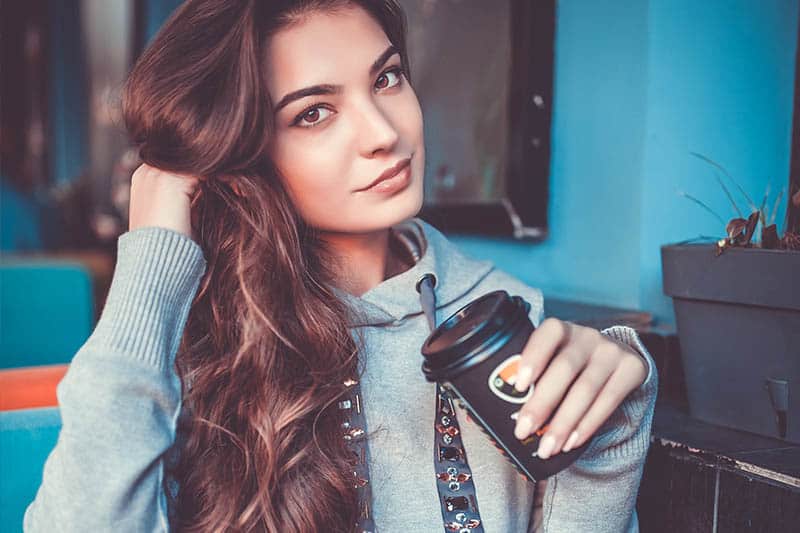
502, 379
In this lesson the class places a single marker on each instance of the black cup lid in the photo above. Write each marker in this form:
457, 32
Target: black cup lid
466, 337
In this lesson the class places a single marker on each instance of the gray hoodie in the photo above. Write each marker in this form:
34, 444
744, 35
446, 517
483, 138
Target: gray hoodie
120, 401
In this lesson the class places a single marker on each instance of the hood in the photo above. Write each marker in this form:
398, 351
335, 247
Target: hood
396, 298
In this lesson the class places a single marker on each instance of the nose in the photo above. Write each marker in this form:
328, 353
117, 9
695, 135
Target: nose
376, 131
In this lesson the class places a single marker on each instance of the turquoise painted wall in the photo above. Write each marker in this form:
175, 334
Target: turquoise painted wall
69, 107
720, 82
638, 86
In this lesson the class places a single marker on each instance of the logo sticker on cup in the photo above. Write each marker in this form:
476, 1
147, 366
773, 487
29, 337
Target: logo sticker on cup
502, 379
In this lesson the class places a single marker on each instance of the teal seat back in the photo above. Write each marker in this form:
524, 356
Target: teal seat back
46, 312
27, 436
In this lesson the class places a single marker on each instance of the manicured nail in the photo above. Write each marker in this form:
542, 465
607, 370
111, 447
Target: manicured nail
523, 427
523, 377
546, 446
573, 438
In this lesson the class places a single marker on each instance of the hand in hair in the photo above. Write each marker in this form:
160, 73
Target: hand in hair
162, 199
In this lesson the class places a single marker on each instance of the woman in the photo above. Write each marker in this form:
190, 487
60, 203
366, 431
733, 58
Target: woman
267, 265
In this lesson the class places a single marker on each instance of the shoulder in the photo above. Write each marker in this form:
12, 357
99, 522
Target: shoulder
498, 279
464, 278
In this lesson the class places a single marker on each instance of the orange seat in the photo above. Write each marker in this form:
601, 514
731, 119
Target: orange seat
34, 386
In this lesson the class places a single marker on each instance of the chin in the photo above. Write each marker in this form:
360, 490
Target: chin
411, 204
417, 207
403, 207
389, 216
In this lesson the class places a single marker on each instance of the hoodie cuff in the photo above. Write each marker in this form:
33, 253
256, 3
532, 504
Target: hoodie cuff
627, 431
628, 335
156, 277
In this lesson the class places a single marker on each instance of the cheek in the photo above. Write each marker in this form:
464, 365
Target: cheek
410, 121
409, 118
312, 175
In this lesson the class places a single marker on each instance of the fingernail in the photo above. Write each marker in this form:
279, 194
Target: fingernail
523, 377
573, 438
523, 427
546, 446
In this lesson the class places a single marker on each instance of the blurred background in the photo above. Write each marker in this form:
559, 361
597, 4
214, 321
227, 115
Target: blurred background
638, 86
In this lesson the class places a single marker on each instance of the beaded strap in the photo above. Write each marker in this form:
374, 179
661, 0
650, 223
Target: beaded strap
355, 430
454, 481
453, 476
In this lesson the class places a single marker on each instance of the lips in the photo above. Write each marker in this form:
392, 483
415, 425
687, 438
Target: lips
389, 173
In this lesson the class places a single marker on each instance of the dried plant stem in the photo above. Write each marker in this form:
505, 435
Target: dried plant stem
775, 207
728, 194
761, 215
713, 163
701, 204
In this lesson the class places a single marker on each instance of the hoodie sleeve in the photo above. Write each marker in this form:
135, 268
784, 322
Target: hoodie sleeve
598, 492
121, 397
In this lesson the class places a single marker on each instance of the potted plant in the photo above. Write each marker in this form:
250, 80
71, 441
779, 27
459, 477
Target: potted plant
737, 308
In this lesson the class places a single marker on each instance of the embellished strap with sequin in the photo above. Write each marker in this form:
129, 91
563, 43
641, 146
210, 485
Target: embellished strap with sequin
453, 476
354, 433
453, 479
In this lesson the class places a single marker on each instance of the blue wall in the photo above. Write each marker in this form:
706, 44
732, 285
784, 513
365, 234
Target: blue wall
68, 86
638, 86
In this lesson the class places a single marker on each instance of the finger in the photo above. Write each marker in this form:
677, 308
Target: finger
580, 398
549, 390
538, 351
621, 382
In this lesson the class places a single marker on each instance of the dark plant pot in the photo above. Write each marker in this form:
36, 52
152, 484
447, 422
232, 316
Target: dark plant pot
738, 320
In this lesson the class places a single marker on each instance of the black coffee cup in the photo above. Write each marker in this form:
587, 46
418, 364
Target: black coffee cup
474, 354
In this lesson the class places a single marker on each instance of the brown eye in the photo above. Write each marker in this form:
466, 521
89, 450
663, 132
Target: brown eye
385, 81
313, 117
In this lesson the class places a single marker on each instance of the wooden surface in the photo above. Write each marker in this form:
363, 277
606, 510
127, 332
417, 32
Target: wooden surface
700, 477
597, 316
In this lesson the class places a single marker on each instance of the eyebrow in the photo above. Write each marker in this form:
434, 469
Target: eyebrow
333, 89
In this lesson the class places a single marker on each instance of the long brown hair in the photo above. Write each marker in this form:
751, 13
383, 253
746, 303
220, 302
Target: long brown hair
267, 346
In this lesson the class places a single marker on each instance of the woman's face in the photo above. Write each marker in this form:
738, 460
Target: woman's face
355, 117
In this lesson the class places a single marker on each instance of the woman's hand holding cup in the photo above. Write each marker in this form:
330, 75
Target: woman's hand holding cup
585, 374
